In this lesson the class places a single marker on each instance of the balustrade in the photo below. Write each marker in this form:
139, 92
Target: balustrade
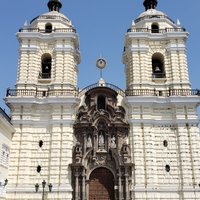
129, 92
146, 30
56, 30
41, 93
163, 93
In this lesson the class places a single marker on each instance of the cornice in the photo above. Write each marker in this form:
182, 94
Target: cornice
169, 122
165, 190
42, 101
46, 37
44, 123
162, 100
31, 189
157, 36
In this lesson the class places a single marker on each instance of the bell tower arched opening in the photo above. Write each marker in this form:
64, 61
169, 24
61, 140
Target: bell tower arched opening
158, 69
46, 65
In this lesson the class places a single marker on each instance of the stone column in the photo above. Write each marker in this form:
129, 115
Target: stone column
95, 139
76, 185
84, 142
83, 185
126, 184
120, 185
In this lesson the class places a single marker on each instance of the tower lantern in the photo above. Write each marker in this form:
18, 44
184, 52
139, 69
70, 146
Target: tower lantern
150, 4
54, 5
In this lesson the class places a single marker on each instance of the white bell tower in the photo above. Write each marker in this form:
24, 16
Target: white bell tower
48, 52
43, 107
155, 52
164, 134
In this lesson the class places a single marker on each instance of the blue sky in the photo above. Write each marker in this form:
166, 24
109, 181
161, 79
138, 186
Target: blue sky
101, 25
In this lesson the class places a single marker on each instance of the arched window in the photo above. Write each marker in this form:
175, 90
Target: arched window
155, 28
46, 66
158, 66
48, 28
101, 103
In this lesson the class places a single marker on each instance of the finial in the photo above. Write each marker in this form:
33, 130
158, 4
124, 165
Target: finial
178, 23
25, 23
150, 4
54, 5
101, 64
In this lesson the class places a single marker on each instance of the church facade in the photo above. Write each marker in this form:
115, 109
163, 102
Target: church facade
103, 143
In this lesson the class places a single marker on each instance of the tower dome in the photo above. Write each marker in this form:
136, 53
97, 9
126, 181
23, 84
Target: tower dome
151, 12
54, 16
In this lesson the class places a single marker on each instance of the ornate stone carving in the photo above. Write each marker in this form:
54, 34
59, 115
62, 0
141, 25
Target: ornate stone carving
89, 142
102, 136
113, 142
78, 152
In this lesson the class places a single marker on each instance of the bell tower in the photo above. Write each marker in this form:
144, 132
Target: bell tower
155, 52
48, 52
43, 107
161, 108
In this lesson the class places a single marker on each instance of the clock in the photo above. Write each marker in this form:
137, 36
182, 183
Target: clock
101, 63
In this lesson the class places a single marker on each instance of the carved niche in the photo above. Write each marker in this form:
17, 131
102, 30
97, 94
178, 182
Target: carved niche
101, 133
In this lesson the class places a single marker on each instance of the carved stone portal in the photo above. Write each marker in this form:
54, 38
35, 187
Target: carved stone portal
101, 133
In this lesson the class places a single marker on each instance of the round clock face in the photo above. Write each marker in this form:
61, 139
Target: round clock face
101, 63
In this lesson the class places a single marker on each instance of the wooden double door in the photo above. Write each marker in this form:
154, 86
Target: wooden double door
101, 186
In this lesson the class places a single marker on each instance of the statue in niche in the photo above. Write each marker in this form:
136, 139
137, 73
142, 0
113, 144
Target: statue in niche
113, 142
89, 142
101, 139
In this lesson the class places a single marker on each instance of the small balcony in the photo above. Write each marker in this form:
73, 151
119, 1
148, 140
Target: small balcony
158, 75
44, 75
